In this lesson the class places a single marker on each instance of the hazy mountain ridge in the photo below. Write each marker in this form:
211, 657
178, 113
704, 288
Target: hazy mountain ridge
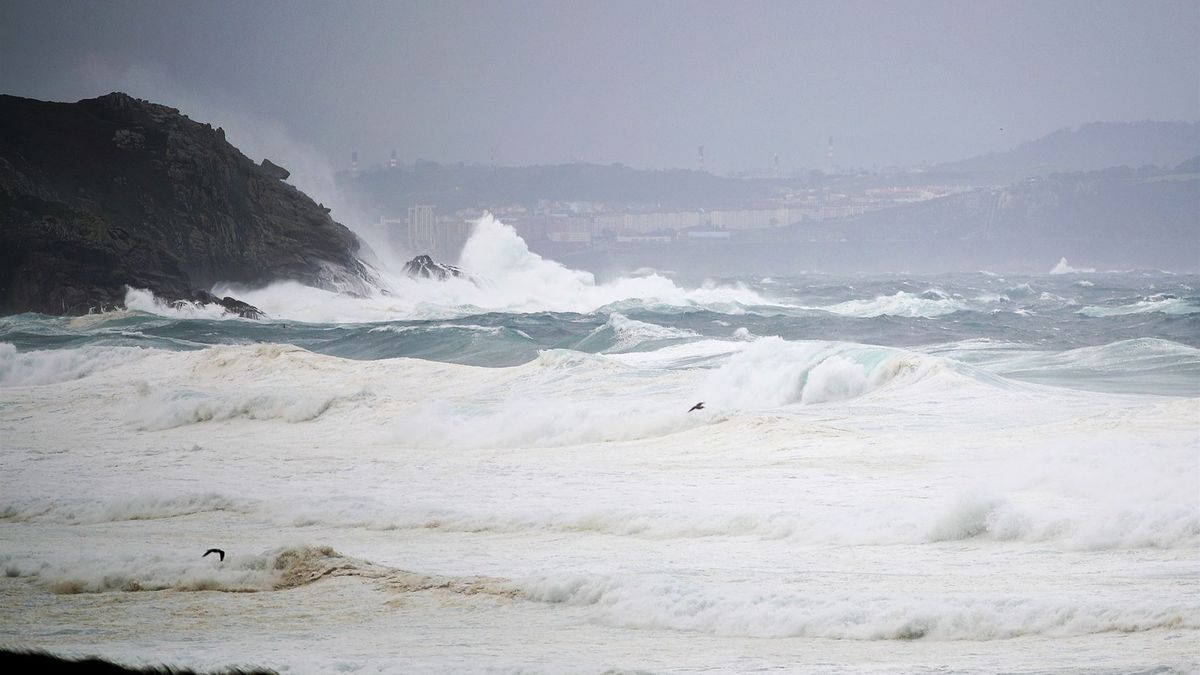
1091, 147
1121, 218
115, 191
1117, 203
454, 187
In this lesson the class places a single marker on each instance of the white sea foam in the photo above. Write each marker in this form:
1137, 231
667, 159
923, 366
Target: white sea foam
142, 300
142, 507
1145, 364
1023, 290
1063, 267
1163, 304
630, 334
799, 610
507, 277
971, 515
270, 389
743, 333
827, 490
773, 372
277, 569
902, 303
694, 354
60, 365
561, 398
177, 407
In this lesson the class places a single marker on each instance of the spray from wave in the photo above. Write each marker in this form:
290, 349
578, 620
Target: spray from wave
1063, 267
506, 277
928, 304
773, 372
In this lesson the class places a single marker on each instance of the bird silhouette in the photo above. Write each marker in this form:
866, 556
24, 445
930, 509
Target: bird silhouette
217, 551
698, 406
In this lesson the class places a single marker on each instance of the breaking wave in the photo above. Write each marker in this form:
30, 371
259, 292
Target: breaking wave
928, 304
622, 334
969, 516
61, 365
1063, 267
662, 602
506, 277
1161, 303
141, 300
278, 569
772, 372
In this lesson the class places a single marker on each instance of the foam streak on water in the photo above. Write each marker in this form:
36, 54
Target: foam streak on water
962, 473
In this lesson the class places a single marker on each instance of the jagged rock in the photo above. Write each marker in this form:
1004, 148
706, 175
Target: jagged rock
128, 140
231, 305
424, 267
274, 170
115, 191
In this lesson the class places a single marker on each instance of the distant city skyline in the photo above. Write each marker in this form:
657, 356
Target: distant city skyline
640, 84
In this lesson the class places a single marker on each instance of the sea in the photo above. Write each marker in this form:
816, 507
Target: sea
510, 473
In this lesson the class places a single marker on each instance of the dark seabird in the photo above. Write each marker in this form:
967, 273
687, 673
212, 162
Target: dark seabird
698, 406
217, 551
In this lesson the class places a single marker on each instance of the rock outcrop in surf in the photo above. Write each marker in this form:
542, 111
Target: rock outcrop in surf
424, 267
116, 192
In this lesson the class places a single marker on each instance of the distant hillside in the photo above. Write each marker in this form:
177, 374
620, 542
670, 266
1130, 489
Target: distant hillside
454, 187
1120, 216
1092, 147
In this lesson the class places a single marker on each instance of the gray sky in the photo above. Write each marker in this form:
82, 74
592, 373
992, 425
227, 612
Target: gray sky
642, 83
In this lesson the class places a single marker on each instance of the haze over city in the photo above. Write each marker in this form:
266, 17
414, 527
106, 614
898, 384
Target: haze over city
644, 84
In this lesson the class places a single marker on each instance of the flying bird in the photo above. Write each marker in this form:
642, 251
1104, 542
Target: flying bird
217, 551
698, 406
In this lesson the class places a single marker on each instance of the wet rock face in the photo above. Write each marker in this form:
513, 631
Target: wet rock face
274, 170
230, 305
424, 267
115, 191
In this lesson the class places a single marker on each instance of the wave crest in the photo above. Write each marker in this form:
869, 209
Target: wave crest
773, 372
52, 366
660, 602
278, 569
928, 304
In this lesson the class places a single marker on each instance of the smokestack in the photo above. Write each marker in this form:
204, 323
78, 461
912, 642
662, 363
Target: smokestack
829, 157
392, 163
354, 163
702, 158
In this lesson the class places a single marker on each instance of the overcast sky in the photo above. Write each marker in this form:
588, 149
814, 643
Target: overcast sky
641, 83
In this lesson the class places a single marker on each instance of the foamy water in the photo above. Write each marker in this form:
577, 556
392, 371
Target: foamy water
967, 473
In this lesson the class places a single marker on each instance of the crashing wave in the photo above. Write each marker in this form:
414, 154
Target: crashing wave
504, 276
928, 304
1063, 267
52, 366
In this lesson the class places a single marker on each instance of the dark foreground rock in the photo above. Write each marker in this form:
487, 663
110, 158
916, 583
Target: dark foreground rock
424, 267
117, 192
40, 662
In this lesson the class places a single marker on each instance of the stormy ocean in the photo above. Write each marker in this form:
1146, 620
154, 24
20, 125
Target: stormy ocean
971, 472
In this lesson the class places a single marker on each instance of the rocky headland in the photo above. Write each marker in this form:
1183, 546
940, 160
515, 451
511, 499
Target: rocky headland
116, 192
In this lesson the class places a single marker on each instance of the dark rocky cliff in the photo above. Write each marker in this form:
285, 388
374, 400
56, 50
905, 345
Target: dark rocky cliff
115, 191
